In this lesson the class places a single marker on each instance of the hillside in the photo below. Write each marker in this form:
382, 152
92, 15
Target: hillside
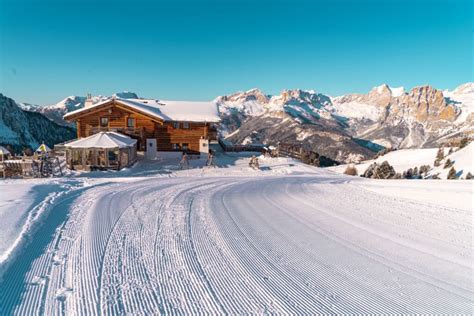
404, 159
23, 129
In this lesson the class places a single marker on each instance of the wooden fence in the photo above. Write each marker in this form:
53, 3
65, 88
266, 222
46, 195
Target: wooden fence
31, 167
305, 154
229, 147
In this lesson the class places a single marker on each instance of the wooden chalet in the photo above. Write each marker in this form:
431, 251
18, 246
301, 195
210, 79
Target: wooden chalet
156, 125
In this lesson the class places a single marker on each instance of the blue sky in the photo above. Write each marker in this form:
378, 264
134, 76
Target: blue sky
196, 50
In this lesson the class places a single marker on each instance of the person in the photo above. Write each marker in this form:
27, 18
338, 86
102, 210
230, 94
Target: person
253, 163
184, 163
210, 158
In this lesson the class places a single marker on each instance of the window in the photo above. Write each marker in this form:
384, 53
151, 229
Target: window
112, 155
130, 122
185, 146
77, 157
185, 124
175, 146
104, 121
176, 124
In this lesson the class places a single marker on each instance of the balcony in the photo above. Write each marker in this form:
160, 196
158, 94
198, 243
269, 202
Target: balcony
130, 131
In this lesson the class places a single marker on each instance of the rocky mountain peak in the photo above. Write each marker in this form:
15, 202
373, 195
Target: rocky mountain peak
250, 95
380, 95
426, 104
298, 96
382, 89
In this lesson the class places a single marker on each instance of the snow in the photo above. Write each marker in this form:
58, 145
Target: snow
191, 111
285, 239
451, 194
463, 98
303, 134
381, 88
22, 203
356, 110
103, 140
404, 159
401, 160
463, 160
396, 92
250, 108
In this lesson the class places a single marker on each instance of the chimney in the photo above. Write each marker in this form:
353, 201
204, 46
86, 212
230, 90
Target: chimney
88, 100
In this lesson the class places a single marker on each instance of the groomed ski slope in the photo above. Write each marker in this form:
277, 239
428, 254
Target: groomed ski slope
303, 243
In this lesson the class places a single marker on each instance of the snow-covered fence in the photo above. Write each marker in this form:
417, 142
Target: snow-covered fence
31, 167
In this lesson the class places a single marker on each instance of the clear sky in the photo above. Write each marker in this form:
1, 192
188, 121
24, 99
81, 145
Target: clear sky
197, 50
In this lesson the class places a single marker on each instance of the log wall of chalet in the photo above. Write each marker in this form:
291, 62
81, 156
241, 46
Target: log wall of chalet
145, 127
167, 135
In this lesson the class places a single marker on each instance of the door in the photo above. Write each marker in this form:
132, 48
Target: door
151, 151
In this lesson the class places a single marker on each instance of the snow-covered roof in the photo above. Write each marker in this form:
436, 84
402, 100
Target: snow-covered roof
190, 111
4, 151
103, 140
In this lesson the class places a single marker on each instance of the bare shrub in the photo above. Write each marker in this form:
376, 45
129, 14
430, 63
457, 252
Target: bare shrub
351, 171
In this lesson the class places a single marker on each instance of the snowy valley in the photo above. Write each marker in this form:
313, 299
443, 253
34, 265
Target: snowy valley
287, 238
284, 237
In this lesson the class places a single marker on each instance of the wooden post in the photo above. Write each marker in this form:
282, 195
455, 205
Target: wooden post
78, 126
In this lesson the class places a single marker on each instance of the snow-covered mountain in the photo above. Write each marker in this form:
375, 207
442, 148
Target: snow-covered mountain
386, 116
292, 116
55, 112
25, 129
345, 128
422, 117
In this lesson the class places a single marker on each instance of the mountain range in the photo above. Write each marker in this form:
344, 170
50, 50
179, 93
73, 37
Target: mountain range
346, 128
351, 127
21, 129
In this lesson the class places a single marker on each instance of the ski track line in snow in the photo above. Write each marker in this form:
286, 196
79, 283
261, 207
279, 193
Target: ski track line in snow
366, 252
239, 245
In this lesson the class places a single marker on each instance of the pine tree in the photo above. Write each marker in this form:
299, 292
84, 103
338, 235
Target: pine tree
440, 154
468, 176
463, 143
451, 174
448, 163
424, 169
385, 171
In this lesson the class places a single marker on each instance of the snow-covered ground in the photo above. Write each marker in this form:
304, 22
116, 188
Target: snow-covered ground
287, 238
403, 159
